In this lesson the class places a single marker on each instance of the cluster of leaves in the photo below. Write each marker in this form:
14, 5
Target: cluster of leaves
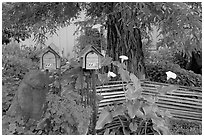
65, 114
158, 56
157, 72
16, 61
137, 106
91, 36
180, 127
179, 22
38, 18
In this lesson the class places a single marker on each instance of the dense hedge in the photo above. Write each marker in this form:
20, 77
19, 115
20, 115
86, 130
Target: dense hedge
157, 72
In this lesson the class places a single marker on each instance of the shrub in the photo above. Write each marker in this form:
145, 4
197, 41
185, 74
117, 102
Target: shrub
157, 72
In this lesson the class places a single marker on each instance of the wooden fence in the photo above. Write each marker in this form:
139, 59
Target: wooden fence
184, 103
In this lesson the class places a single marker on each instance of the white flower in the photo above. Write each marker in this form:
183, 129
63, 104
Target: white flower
67, 62
111, 74
97, 26
170, 75
2, 67
123, 57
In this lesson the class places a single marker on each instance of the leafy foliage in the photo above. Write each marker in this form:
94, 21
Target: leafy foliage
140, 111
39, 18
89, 37
64, 113
180, 127
16, 61
179, 22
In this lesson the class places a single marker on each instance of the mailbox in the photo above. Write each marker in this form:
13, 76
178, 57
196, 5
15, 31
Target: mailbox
49, 59
91, 58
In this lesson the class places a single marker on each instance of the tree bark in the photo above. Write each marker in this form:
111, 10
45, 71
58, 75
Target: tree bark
123, 40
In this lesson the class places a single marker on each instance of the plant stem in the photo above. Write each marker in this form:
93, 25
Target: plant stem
145, 127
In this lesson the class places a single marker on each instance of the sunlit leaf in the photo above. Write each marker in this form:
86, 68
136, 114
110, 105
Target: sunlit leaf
104, 118
133, 107
132, 93
119, 110
103, 78
124, 74
169, 89
158, 121
162, 130
99, 97
149, 98
107, 131
133, 126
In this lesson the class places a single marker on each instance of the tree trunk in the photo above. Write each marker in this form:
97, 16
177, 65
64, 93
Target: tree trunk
125, 40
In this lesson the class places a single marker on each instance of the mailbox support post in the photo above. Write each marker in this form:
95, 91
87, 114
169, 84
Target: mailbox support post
47, 79
93, 76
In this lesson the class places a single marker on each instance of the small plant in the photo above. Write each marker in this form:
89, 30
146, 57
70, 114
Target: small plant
139, 114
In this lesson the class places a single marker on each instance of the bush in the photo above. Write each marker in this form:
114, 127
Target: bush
181, 127
157, 72
15, 62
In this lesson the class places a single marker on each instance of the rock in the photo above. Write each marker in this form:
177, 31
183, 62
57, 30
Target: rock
30, 98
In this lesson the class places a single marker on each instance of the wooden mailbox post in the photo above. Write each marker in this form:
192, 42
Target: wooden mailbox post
50, 61
91, 60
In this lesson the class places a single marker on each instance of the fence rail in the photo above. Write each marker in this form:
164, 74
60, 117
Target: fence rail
184, 103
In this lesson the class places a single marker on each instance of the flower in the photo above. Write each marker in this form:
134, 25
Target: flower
123, 57
97, 26
170, 75
111, 74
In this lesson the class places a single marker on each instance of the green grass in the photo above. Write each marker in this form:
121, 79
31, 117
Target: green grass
181, 127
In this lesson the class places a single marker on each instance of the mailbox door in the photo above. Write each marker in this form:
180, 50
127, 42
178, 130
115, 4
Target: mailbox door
49, 61
92, 61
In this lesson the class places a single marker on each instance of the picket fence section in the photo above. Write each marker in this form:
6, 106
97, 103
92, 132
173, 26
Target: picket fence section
184, 103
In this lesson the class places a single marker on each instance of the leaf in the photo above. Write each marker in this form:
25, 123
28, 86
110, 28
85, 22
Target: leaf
107, 131
80, 84
132, 93
124, 74
104, 118
168, 114
133, 107
99, 97
168, 89
149, 98
134, 79
147, 109
119, 110
162, 130
133, 126
103, 78
12, 127
116, 63
41, 124
158, 121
